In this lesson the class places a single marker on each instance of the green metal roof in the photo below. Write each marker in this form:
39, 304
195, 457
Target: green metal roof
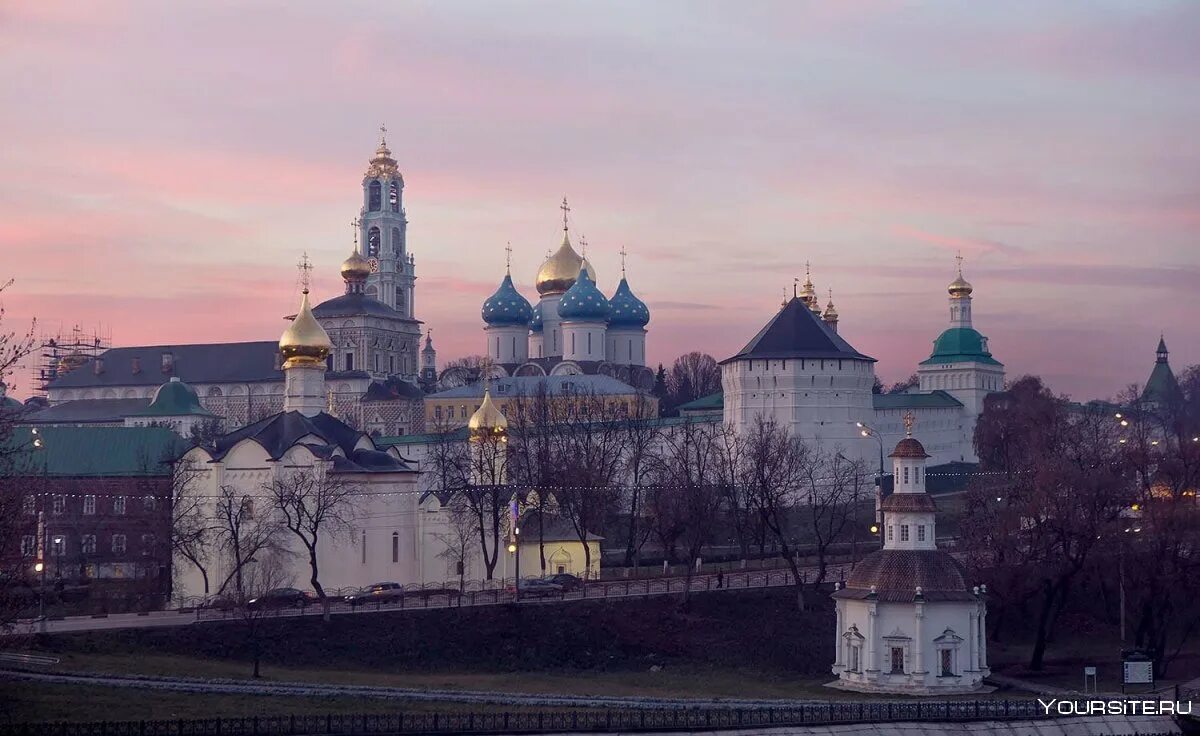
712, 401
175, 399
960, 345
96, 451
932, 400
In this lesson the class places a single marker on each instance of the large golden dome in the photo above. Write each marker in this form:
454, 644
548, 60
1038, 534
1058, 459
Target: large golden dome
355, 268
559, 271
488, 418
960, 287
305, 340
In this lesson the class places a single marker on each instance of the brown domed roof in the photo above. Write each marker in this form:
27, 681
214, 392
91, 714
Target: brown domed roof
918, 502
909, 447
897, 573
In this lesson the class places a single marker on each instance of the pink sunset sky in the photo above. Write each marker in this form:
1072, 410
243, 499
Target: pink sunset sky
164, 165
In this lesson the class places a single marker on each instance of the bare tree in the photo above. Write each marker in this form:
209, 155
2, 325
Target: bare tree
531, 461
264, 575
643, 435
459, 538
904, 386
192, 531
465, 371
833, 485
243, 531
313, 503
692, 376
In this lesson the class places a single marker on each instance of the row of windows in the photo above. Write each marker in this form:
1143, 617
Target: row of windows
58, 505
87, 544
891, 533
946, 660
783, 364
962, 380
916, 475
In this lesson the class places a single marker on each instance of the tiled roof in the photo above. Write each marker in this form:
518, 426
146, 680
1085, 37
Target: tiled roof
796, 332
280, 432
932, 400
918, 502
909, 447
896, 574
960, 345
97, 451
711, 402
224, 362
352, 305
393, 389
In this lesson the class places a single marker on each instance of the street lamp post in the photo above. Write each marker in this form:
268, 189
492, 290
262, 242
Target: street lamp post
867, 431
515, 548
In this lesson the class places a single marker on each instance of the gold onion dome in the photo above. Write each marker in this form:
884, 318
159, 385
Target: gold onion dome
305, 340
355, 268
960, 287
488, 417
559, 271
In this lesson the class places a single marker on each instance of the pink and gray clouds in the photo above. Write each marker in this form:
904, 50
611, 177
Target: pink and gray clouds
164, 165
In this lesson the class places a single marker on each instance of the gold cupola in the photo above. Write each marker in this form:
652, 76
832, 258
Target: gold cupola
831, 314
355, 268
560, 270
382, 165
305, 341
487, 419
960, 287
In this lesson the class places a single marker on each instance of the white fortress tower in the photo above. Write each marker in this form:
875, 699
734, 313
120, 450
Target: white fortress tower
799, 371
907, 622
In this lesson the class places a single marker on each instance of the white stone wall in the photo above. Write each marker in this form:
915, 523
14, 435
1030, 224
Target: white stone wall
583, 341
507, 343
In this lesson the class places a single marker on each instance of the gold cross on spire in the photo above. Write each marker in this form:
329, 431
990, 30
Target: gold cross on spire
305, 267
355, 224
959, 258
623, 254
383, 135
566, 208
909, 421
583, 245
508, 258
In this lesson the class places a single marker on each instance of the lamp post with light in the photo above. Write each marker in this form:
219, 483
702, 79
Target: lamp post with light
514, 547
867, 431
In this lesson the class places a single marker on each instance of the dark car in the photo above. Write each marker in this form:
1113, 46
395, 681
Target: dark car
377, 593
568, 581
219, 602
538, 588
282, 598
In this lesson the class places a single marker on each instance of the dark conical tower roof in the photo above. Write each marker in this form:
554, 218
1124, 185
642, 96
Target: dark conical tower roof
798, 332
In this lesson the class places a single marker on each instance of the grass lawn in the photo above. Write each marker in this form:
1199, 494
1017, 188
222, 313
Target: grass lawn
35, 701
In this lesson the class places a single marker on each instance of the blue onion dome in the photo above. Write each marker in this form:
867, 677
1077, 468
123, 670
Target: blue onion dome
507, 306
535, 322
627, 309
583, 301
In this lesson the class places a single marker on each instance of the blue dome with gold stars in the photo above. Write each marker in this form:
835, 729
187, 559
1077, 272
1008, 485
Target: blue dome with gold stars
626, 309
535, 322
507, 306
583, 301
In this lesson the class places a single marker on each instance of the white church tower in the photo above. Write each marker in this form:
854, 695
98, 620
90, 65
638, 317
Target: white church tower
907, 622
383, 230
961, 364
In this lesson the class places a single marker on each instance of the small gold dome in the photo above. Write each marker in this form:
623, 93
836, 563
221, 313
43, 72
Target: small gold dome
305, 340
960, 287
560, 270
355, 268
831, 314
488, 417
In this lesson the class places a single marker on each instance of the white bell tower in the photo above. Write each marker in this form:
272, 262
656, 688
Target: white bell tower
383, 231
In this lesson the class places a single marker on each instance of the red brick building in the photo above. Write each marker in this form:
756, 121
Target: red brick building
101, 497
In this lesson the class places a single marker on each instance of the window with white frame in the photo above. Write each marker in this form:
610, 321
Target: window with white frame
149, 503
891, 532
920, 532
118, 544
904, 532
28, 545
87, 544
59, 505
119, 505
58, 545
89, 505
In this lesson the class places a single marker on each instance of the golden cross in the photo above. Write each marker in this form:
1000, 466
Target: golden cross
623, 254
508, 257
909, 421
583, 245
356, 224
383, 135
959, 258
565, 209
305, 267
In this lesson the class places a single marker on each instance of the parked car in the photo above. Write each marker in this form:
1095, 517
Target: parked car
538, 588
377, 593
568, 581
430, 592
282, 598
219, 602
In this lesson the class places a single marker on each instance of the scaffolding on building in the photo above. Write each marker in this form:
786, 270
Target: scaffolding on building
64, 351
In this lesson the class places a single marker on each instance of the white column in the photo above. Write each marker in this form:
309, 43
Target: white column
872, 649
838, 646
982, 635
919, 643
972, 653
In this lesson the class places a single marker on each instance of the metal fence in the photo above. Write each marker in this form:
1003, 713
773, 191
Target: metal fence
597, 720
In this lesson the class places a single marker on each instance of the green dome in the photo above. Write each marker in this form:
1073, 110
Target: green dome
960, 345
175, 399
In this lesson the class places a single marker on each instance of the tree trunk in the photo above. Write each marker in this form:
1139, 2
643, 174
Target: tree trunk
1049, 601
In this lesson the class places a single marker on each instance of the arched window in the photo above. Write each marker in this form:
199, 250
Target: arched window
397, 246
394, 196
395, 546
400, 301
376, 193
373, 242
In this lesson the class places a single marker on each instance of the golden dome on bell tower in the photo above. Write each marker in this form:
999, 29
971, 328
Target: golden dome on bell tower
355, 268
960, 287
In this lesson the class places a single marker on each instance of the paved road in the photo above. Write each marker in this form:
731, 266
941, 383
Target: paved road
608, 589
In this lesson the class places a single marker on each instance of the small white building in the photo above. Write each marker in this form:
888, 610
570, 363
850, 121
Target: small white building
907, 621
